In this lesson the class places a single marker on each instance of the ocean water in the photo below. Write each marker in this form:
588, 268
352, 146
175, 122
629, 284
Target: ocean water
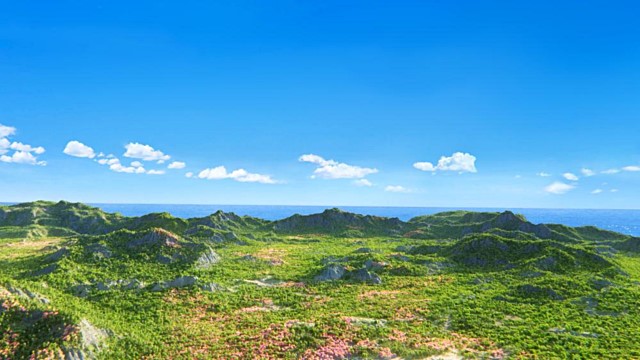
623, 221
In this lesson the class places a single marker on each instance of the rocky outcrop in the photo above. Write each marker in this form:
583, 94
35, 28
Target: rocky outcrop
181, 282
156, 237
331, 272
207, 259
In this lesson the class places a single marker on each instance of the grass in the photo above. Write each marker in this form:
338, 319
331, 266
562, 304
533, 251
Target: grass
432, 300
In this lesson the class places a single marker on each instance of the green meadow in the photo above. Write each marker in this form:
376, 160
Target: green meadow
78, 283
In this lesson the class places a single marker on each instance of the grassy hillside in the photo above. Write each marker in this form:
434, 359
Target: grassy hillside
77, 282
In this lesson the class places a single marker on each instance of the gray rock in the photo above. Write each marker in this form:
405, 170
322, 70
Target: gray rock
181, 282
375, 265
207, 260
158, 237
361, 321
536, 291
99, 251
81, 290
28, 294
133, 284
58, 255
46, 270
600, 284
331, 272
212, 287
363, 250
362, 275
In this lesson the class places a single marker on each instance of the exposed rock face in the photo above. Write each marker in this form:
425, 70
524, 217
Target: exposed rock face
362, 275
46, 270
334, 272
98, 251
58, 255
331, 272
536, 291
91, 340
213, 287
207, 260
25, 293
158, 237
181, 282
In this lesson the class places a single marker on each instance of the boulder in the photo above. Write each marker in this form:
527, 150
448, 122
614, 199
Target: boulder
362, 275
331, 272
181, 282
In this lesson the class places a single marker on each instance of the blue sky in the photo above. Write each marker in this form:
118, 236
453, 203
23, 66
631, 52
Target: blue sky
393, 103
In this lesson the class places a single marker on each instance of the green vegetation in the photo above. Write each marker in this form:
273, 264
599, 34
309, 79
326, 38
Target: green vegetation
76, 282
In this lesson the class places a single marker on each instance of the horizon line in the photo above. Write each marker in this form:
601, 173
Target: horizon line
330, 206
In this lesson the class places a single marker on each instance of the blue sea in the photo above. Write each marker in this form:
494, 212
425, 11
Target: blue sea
623, 221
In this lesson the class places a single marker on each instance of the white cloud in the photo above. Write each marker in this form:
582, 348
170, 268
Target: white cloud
136, 164
596, 191
118, 167
558, 188
396, 189
177, 165
155, 172
543, 174
78, 149
4, 145
330, 169
570, 176
22, 153
460, 162
633, 168
587, 172
424, 166
18, 146
22, 157
6, 131
189, 175
611, 171
144, 152
362, 182
241, 175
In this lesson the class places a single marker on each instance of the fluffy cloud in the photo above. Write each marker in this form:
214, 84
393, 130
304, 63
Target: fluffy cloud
570, 176
611, 171
632, 168
144, 152
241, 175
331, 169
177, 165
18, 146
587, 172
543, 174
460, 162
136, 167
17, 152
362, 183
396, 189
189, 175
22, 157
78, 149
6, 131
558, 188
596, 191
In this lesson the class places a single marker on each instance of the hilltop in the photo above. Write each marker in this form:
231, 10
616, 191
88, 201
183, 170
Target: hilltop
77, 282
